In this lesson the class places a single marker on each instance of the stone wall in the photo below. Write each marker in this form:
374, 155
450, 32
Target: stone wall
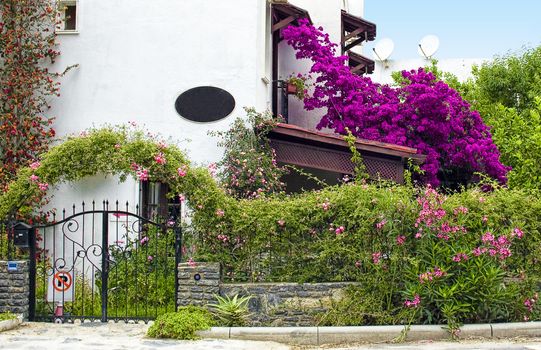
14, 288
273, 304
198, 283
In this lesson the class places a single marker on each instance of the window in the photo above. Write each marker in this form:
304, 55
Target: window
155, 204
67, 11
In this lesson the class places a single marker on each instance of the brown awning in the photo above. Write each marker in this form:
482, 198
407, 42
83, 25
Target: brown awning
355, 30
286, 14
360, 64
330, 152
296, 133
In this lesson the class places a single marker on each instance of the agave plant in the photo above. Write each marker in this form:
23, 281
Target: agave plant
232, 312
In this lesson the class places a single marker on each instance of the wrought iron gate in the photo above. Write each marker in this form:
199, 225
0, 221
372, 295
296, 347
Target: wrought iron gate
105, 264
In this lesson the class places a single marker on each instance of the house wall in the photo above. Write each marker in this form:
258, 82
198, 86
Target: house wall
325, 13
135, 58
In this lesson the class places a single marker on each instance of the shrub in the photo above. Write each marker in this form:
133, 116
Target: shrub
422, 113
4, 316
182, 324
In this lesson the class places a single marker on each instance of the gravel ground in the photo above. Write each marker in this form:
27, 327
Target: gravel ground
110, 336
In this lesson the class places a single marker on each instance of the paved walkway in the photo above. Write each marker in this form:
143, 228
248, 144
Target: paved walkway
111, 336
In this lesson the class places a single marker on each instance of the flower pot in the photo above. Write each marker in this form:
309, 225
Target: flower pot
291, 89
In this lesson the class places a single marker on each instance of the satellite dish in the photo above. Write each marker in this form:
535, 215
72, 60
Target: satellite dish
383, 50
428, 46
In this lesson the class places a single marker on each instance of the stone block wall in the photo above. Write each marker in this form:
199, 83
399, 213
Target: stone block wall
197, 283
14, 288
287, 304
272, 304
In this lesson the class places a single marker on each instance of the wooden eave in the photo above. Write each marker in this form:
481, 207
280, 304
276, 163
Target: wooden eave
355, 30
286, 14
360, 64
333, 141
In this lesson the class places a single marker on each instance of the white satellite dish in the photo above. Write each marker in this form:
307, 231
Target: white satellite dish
428, 46
383, 50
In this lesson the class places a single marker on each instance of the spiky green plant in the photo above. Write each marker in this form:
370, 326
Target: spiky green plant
232, 312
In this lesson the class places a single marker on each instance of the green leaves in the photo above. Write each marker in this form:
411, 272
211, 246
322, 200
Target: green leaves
183, 324
232, 312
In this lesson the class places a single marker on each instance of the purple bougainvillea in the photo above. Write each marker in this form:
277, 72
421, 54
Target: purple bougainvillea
422, 113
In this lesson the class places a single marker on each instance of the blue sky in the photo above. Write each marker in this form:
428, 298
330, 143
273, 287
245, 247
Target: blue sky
466, 28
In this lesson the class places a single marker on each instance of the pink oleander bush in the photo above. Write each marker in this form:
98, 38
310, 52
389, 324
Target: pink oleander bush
423, 112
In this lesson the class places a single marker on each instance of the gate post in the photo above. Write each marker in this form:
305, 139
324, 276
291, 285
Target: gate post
178, 259
32, 275
104, 263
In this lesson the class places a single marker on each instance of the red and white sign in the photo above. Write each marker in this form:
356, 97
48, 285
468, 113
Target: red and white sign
60, 287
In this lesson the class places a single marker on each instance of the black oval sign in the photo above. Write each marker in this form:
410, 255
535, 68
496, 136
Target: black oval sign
205, 104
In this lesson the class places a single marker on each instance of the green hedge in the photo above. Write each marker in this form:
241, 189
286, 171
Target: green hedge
422, 256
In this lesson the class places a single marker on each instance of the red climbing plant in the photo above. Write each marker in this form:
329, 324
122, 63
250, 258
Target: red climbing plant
27, 45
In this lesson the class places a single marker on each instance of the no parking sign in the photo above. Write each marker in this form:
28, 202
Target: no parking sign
60, 286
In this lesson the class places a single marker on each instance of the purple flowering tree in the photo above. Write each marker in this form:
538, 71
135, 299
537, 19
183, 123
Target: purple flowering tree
423, 112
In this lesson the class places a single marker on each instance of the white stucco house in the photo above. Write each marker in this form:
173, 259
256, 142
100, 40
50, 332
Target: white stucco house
136, 59
182, 68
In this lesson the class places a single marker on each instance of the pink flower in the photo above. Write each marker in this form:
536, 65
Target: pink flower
418, 235
182, 171
191, 262
487, 237
43, 186
479, 251
181, 198
150, 258
413, 303
401, 240
380, 224
482, 200
212, 168
339, 230
34, 178
35, 165
376, 257
134, 166
119, 242
223, 238
358, 264
142, 174
326, 206
460, 210
118, 146
517, 232
144, 240
281, 223
161, 145
160, 158
484, 219
220, 212
460, 257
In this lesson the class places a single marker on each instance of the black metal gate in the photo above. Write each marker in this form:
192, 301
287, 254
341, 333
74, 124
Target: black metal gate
105, 264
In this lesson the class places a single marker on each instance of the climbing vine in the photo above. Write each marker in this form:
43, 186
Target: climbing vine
27, 44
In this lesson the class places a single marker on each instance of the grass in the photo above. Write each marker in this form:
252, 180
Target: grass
7, 316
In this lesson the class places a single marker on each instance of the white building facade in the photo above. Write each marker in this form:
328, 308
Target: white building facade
136, 58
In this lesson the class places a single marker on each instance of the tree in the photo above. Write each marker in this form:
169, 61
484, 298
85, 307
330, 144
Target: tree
507, 94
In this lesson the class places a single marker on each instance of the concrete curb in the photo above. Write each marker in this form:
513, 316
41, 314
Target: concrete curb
370, 334
11, 324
